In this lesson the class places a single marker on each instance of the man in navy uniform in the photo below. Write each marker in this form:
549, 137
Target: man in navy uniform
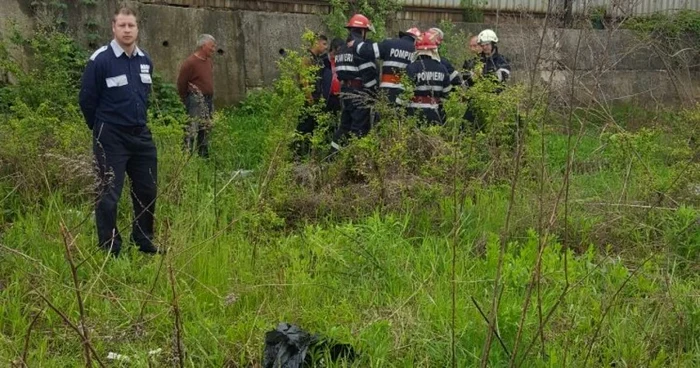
495, 67
114, 100
431, 79
455, 79
308, 121
396, 54
358, 78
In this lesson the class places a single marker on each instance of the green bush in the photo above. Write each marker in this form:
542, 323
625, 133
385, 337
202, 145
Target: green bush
44, 137
371, 248
379, 13
52, 76
165, 106
684, 23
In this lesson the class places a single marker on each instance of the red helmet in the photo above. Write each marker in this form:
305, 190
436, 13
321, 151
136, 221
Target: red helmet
438, 34
360, 21
413, 31
427, 41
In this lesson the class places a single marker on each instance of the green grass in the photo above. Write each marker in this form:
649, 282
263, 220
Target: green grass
381, 281
361, 251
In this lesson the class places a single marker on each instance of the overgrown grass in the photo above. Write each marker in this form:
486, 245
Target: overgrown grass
381, 282
368, 259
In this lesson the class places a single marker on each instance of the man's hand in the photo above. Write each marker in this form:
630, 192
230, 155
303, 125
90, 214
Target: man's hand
469, 64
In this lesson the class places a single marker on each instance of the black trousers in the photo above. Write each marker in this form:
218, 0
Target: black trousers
355, 117
429, 116
118, 151
392, 94
307, 125
333, 104
305, 128
471, 118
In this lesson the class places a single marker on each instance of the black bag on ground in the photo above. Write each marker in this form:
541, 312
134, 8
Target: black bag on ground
289, 346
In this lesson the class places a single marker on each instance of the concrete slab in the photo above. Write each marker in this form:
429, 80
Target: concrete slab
169, 34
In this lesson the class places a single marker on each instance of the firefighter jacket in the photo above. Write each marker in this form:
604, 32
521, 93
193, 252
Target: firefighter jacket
453, 74
396, 54
432, 84
496, 66
354, 70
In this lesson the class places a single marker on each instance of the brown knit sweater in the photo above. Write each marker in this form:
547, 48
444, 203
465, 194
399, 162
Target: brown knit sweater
197, 72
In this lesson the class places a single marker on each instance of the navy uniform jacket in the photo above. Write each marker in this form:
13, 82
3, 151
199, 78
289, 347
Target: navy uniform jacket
396, 54
326, 77
351, 67
115, 87
432, 82
453, 74
495, 66
317, 61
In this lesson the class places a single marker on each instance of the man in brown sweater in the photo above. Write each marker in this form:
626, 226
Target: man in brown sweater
195, 85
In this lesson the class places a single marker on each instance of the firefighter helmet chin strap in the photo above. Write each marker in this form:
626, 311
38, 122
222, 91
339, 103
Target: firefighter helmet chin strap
494, 50
358, 32
433, 54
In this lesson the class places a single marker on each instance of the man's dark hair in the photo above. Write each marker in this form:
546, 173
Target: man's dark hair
321, 37
124, 9
336, 44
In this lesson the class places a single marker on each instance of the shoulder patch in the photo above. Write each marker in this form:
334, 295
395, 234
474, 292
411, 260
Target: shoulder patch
99, 51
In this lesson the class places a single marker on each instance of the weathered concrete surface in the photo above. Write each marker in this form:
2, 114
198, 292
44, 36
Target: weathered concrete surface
159, 26
92, 25
15, 14
609, 65
14, 17
264, 34
169, 35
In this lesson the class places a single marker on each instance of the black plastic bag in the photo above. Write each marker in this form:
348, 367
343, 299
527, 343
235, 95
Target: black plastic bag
289, 346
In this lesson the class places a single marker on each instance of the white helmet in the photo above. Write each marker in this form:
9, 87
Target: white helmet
487, 36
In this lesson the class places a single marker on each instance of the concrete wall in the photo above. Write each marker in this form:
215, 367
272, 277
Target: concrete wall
248, 41
609, 66
264, 35
15, 16
169, 34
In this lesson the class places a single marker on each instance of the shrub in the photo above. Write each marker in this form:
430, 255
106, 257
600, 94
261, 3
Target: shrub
379, 13
45, 140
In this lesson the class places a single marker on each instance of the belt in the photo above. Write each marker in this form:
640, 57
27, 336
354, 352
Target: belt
425, 99
391, 78
355, 83
133, 130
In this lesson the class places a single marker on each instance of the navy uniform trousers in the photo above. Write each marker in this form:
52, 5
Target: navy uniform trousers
121, 150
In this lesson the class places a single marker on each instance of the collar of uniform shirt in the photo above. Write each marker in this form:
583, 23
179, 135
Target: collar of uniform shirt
118, 51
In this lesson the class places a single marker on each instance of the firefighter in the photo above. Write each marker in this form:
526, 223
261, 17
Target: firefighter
396, 54
473, 57
358, 77
455, 79
331, 84
431, 79
308, 122
495, 66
